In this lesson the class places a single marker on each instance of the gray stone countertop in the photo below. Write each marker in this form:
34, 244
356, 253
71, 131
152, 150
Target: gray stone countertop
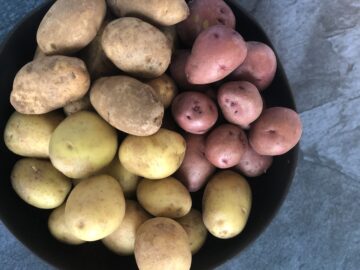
318, 227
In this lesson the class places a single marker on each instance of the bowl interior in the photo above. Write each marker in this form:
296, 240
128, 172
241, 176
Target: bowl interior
29, 224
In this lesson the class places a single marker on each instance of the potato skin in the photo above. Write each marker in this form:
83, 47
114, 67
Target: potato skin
171, 34
216, 52
165, 88
82, 104
137, 47
128, 105
38, 53
164, 198
29, 135
194, 112
39, 184
226, 204
276, 131
161, 243
95, 208
70, 25
39, 85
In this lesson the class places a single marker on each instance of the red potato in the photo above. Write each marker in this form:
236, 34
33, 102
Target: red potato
259, 66
225, 146
276, 131
195, 168
216, 53
194, 112
203, 14
240, 102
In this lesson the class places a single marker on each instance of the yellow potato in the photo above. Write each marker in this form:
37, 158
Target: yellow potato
165, 88
82, 145
122, 241
226, 204
154, 157
58, 228
82, 104
29, 135
39, 184
166, 197
161, 243
95, 208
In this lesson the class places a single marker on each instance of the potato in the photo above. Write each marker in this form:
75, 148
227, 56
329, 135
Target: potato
154, 157
195, 169
58, 228
194, 112
164, 198
29, 135
70, 25
122, 240
216, 52
38, 53
82, 104
82, 145
137, 47
226, 204
240, 102
49, 83
203, 14
259, 66
39, 184
195, 229
161, 243
95, 208
170, 33
165, 88
163, 12
127, 104
225, 146
276, 131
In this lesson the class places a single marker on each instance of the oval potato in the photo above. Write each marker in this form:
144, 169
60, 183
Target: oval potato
165, 88
81, 104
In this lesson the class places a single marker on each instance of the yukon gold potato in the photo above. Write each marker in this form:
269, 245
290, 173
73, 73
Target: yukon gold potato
165, 88
161, 243
226, 204
70, 25
29, 135
81, 104
154, 157
164, 198
137, 47
122, 240
82, 145
127, 104
39, 184
49, 83
58, 228
95, 208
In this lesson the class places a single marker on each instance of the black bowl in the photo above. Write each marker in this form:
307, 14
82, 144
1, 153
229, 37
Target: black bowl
29, 224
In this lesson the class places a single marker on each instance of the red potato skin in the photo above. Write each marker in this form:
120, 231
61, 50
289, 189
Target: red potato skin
259, 66
216, 53
276, 131
225, 146
240, 102
194, 112
203, 14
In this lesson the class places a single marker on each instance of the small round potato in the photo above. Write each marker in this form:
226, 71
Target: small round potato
82, 104
95, 208
164, 198
122, 240
29, 135
165, 88
39, 184
58, 228
161, 243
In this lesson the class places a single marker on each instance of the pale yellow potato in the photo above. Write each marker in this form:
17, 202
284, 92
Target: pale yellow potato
29, 135
122, 240
82, 104
154, 157
166, 197
226, 204
161, 243
165, 88
58, 228
39, 184
195, 229
82, 145
38, 53
95, 208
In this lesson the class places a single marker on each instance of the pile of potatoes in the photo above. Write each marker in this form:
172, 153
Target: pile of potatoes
127, 107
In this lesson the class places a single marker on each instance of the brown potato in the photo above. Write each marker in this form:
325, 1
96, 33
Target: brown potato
170, 33
38, 53
82, 104
165, 88
276, 131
